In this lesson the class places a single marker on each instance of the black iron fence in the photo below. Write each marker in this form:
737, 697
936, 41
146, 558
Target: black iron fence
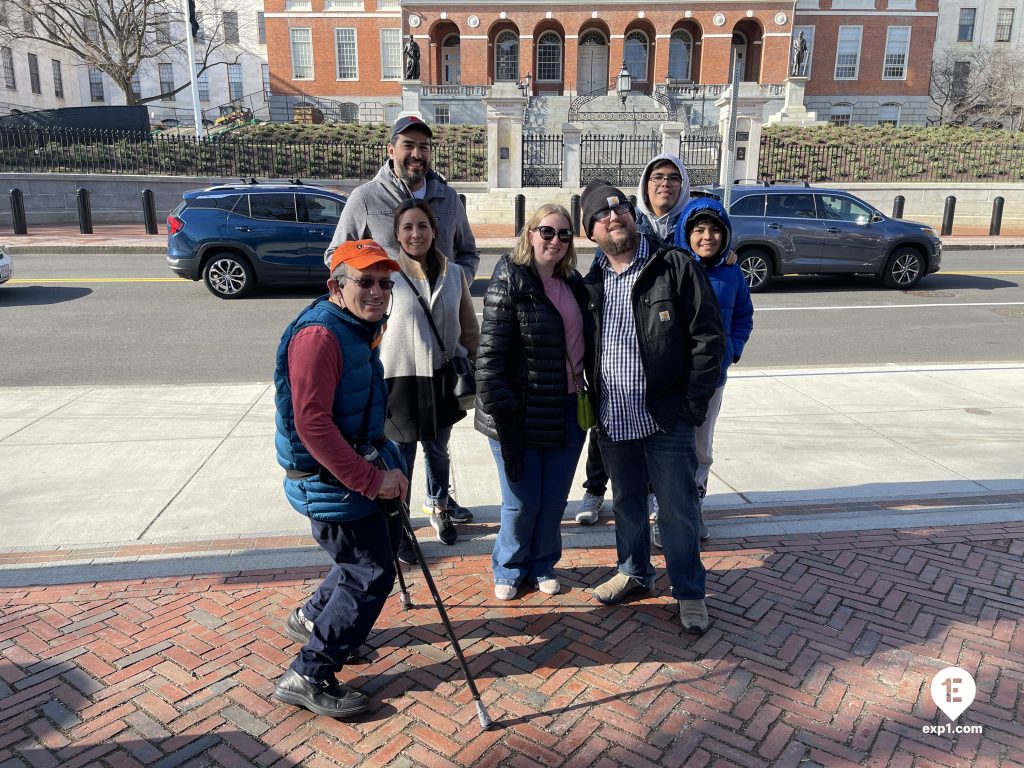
890, 162
229, 156
701, 153
542, 160
619, 159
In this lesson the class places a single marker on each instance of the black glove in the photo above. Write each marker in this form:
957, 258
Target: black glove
512, 455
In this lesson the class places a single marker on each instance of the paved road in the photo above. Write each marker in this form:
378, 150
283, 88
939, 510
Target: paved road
120, 319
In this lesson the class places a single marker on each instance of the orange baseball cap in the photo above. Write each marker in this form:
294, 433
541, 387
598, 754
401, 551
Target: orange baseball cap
362, 254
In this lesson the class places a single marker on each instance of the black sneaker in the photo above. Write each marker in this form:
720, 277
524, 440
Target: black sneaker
298, 627
406, 554
324, 697
441, 522
458, 513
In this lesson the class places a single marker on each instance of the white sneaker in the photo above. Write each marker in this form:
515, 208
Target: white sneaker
652, 506
549, 586
589, 509
504, 591
655, 534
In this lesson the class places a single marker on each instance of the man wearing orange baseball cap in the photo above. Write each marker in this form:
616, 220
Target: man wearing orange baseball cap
331, 404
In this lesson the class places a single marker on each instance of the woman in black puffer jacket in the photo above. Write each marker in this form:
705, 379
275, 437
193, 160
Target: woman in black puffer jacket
529, 367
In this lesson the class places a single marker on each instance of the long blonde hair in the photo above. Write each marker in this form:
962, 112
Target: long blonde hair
522, 254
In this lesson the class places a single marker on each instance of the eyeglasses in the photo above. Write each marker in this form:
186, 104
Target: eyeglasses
620, 210
661, 179
366, 283
548, 233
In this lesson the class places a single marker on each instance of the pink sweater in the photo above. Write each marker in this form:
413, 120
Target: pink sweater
561, 296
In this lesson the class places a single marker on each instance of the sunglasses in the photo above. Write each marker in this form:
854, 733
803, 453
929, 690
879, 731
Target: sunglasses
620, 210
366, 283
548, 233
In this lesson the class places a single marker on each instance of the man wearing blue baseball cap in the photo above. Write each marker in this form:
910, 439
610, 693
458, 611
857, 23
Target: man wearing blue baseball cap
407, 173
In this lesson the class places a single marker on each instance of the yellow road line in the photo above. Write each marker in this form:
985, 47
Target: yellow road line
32, 281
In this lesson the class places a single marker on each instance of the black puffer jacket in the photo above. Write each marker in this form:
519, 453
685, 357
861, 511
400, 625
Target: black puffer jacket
520, 363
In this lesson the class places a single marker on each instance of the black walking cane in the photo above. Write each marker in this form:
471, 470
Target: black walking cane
398, 507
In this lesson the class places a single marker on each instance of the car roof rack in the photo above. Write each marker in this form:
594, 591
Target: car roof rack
795, 182
751, 182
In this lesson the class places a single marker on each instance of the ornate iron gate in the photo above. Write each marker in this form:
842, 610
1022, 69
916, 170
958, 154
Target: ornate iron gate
701, 153
542, 160
619, 159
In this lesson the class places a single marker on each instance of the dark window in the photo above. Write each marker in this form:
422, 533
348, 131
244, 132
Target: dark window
163, 31
225, 203
166, 81
322, 210
8, 65
751, 205
270, 206
965, 32
230, 26
961, 74
33, 73
58, 80
793, 206
261, 27
28, 22
96, 85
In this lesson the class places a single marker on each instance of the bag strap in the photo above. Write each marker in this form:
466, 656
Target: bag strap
430, 317
575, 379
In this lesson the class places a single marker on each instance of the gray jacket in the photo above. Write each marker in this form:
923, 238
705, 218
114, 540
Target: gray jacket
369, 213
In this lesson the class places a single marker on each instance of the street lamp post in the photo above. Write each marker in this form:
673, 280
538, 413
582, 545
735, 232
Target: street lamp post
623, 84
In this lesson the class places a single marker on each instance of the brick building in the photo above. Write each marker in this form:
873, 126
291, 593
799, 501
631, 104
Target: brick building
868, 60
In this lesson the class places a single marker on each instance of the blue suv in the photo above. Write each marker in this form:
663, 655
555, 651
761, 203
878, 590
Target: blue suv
236, 235
790, 229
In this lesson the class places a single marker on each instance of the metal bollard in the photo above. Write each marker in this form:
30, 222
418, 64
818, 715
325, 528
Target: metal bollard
577, 214
897, 206
18, 218
520, 213
84, 211
997, 217
149, 211
947, 216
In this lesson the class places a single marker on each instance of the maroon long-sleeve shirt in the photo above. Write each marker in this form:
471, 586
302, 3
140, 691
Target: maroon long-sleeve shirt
314, 370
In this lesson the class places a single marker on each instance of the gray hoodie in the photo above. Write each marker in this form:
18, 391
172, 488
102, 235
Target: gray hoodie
661, 227
369, 213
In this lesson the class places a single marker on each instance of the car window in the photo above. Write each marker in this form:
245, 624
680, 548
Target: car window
751, 205
224, 202
841, 208
794, 205
277, 207
322, 210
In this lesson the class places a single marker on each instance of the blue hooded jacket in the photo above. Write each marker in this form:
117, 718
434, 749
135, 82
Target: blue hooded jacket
727, 281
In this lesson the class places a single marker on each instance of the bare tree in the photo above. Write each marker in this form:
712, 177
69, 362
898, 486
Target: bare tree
1005, 78
118, 36
958, 87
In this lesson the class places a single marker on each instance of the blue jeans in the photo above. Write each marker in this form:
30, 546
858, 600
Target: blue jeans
529, 541
667, 461
438, 465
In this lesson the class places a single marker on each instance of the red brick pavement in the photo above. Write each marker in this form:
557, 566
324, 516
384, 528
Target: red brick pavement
820, 654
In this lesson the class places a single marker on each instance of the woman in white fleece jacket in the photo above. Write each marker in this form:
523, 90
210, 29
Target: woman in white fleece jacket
422, 407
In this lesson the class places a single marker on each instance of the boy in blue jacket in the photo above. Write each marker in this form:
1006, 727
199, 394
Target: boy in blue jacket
704, 230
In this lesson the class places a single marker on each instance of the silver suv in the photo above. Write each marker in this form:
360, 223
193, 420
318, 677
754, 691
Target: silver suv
802, 230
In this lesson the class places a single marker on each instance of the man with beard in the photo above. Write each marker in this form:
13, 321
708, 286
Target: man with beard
658, 352
370, 209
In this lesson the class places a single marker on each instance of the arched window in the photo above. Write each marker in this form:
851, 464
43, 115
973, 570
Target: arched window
636, 56
506, 57
549, 57
679, 47
889, 114
841, 114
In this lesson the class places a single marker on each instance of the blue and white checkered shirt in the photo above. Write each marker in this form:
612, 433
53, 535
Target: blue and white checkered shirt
624, 414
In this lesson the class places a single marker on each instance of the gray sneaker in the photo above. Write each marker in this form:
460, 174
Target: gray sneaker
589, 510
693, 615
618, 588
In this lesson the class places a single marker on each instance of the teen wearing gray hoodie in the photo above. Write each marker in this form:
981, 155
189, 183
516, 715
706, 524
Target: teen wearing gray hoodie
663, 192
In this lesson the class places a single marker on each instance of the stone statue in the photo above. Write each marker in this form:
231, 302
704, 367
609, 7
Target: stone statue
412, 60
799, 54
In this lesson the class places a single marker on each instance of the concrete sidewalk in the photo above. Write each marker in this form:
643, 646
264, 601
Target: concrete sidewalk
103, 474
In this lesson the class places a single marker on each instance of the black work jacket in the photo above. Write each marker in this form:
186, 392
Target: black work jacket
680, 332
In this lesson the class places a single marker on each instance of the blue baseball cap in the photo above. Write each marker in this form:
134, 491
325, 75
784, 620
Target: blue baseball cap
410, 121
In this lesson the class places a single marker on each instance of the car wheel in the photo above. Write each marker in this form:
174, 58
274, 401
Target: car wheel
228, 276
757, 269
904, 269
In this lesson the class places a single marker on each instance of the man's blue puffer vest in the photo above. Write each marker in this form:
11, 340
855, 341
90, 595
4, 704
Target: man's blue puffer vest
362, 382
